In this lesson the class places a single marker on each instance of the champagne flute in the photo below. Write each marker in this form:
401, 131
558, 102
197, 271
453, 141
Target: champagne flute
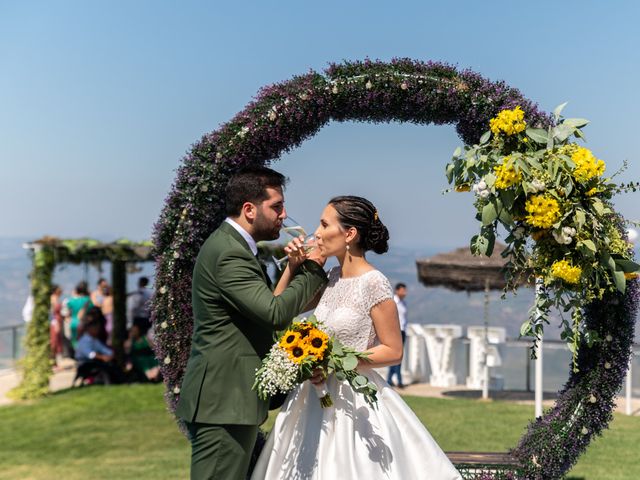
290, 230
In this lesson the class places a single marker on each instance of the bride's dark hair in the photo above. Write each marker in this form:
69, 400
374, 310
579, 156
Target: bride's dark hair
359, 213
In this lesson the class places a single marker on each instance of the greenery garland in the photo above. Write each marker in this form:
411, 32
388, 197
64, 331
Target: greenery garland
47, 253
281, 118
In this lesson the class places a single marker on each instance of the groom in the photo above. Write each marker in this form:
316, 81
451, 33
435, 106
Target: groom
235, 315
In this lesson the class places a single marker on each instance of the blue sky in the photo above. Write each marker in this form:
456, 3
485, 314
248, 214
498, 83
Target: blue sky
99, 101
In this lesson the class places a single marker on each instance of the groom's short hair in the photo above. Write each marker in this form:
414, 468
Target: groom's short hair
250, 185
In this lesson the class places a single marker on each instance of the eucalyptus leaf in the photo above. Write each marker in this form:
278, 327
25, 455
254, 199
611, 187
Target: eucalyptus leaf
558, 110
489, 214
350, 362
620, 281
627, 266
340, 375
576, 122
538, 135
360, 381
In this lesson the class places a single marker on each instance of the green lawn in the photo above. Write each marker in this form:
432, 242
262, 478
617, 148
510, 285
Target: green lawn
125, 433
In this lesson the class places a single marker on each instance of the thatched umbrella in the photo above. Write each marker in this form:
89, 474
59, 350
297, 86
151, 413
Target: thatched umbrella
460, 270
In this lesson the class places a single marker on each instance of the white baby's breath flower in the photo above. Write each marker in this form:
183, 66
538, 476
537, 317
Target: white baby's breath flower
607, 366
303, 96
404, 85
484, 193
163, 289
537, 185
243, 131
584, 430
218, 155
334, 90
176, 390
608, 338
164, 325
368, 85
277, 374
592, 399
176, 255
167, 360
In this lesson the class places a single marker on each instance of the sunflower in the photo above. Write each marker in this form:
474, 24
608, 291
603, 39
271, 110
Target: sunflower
298, 352
290, 339
317, 342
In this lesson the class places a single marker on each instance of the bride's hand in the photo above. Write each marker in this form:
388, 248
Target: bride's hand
319, 376
295, 252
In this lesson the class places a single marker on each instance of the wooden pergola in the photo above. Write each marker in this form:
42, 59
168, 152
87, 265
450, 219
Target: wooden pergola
48, 252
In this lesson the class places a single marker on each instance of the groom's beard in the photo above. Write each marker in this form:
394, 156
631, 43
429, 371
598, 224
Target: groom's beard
264, 229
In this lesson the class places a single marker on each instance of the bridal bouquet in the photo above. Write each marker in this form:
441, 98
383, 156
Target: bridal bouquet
302, 349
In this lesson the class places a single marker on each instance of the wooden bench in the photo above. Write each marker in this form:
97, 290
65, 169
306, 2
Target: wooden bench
470, 464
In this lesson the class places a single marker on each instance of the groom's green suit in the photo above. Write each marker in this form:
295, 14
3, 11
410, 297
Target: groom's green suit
235, 315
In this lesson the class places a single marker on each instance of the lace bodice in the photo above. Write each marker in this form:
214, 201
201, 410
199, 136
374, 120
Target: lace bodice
345, 306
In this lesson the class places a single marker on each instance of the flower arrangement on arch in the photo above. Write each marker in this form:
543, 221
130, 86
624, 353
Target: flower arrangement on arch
301, 350
550, 195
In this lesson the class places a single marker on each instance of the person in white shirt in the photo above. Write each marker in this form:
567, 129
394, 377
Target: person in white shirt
138, 306
399, 296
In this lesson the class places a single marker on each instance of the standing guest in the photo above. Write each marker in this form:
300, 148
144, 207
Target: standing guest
399, 296
97, 296
138, 305
107, 310
78, 305
56, 322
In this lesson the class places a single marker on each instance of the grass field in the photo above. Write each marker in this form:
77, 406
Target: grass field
125, 432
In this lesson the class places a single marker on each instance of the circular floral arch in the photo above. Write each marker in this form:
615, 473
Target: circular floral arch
280, 118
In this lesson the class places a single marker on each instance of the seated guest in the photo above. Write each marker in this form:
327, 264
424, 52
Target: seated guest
94, 357
142, 361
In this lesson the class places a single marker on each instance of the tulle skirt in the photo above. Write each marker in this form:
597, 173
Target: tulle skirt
351, 439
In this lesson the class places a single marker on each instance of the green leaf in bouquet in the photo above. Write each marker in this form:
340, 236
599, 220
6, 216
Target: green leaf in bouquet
372, 387
576, 122
538, 135
620, 281
550, 140
627, 266
598, 206
562, 132
449, 172
337, 349
580, 218
590, 245
608, 262
489, 214
525, 329
558, 110
490, 179
485, 137
350, 362
340, 375
360, 381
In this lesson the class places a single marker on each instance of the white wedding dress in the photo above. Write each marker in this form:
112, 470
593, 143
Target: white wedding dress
351, 439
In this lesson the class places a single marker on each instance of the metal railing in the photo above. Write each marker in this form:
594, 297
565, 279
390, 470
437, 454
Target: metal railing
11, 344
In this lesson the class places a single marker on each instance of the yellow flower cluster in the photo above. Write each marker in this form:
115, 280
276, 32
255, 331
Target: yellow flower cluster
543, 210
506, 174
587, 165
509, 122
304, 340
564, 270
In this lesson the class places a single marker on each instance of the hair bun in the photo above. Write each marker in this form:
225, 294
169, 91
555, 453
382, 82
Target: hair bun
377, 238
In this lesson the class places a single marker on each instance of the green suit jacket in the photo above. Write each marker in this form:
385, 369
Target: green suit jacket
235, 315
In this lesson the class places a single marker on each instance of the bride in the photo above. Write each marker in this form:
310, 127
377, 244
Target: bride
351, 439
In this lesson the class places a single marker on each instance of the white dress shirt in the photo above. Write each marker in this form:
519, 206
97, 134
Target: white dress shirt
402, 312
248, 238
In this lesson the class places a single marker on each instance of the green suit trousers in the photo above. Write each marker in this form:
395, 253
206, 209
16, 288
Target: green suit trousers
221, 452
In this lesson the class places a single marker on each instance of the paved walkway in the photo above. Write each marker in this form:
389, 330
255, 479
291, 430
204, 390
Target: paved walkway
63, 378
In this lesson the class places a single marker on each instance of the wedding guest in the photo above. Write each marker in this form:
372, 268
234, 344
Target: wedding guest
95, 314
97, 296
107, 310
138, 307
399, 296
78, 304
56, 323
142, 360
94, 357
